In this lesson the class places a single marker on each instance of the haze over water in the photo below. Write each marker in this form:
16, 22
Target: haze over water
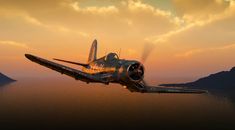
65, 103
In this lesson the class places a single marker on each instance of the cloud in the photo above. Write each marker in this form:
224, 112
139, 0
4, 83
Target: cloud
16, 44
25, 16
92, 18
94, 10
138, 6
55, 28
191, 21
200, 9
192, 52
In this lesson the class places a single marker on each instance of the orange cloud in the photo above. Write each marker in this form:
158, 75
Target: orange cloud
192, 52
23, 15
191, 21
16, 44
94, 10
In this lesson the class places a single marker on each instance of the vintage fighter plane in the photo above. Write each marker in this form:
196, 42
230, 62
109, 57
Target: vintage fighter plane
109, 69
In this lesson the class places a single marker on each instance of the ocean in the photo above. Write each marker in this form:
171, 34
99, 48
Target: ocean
64, 103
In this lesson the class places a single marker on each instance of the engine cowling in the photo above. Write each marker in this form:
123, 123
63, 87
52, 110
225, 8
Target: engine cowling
135, 72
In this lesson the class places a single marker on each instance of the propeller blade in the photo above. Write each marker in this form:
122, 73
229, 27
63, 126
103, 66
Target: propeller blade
148, 48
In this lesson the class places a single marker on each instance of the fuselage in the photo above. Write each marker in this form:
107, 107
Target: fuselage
114, 70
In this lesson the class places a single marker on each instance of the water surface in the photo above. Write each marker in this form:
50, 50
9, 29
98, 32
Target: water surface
63, 103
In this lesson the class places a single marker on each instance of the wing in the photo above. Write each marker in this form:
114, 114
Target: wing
71, 62
141, 87
78, 75
173, 90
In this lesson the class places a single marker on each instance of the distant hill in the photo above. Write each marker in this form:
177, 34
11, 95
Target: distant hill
224, 80
5, 80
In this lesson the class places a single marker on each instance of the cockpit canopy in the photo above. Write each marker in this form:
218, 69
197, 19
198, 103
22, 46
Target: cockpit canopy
112, 57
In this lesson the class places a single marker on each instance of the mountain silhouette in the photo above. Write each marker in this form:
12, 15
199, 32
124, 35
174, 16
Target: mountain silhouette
221, 84
5, 80
224, 80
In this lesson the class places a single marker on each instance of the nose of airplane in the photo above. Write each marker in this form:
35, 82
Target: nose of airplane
135, 71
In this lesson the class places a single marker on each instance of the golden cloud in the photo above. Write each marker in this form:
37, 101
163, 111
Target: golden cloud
25, 16
191, 22
139, 6
16, 44
94, 10
200, 8
192, 52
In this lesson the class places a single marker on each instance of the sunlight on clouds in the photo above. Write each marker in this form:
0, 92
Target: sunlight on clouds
136, 5
190, 53
32, 20
16, 44
139, 6
180, 28
13, 13
67, 30
7, 13
200, 9
190, 23
125, 8
55, 28
94, 10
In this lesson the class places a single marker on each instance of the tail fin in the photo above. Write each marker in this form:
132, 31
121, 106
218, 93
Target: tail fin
93, 51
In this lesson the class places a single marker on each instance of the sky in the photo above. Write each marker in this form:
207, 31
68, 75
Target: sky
182, 38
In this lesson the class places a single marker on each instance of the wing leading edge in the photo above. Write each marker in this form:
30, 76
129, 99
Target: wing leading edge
152, 89
78, 75
173, 90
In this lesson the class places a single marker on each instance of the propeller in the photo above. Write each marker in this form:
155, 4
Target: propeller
148, 48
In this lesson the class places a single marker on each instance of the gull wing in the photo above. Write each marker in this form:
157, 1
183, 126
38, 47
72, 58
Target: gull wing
78, 75
173, 90
71, 62
141, 87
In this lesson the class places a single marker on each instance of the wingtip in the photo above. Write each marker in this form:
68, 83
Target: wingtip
30, 57
27, 55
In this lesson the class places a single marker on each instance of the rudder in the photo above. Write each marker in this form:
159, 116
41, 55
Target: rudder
93, 51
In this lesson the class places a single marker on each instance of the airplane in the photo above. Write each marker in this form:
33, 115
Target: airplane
110, 69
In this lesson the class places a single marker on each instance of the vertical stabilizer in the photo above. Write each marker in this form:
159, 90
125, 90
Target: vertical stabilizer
93, 51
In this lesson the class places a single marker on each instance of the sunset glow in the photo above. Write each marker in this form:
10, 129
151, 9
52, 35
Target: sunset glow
187, 38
